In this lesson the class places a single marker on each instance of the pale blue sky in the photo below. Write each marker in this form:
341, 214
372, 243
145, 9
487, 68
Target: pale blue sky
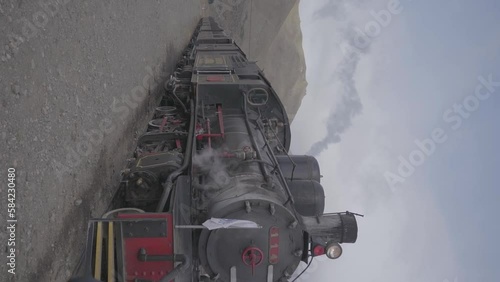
441, 223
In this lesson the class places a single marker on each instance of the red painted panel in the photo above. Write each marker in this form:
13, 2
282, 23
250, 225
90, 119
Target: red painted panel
150, 270
215, 78
274, 245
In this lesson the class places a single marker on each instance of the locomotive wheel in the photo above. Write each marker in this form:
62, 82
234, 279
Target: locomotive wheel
165, 111
155, 124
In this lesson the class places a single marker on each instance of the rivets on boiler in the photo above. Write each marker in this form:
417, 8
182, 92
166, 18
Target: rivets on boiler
297, 253
272, 209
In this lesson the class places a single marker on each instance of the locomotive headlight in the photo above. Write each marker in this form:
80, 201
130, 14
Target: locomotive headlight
333, 250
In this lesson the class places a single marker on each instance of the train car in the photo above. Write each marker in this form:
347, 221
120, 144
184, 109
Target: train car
211, 193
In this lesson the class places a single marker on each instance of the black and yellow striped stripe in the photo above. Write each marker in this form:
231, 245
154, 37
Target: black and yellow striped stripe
104, 256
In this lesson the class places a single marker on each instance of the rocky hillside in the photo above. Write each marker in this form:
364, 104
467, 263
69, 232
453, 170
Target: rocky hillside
269, 33
64, 71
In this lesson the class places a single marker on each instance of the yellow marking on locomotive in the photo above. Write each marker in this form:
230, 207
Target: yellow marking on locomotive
98, 252
140, 161
111, 253
204, 60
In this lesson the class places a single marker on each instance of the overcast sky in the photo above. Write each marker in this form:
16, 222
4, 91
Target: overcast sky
412, 93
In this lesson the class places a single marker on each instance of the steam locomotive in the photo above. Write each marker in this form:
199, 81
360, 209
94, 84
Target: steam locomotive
211, 193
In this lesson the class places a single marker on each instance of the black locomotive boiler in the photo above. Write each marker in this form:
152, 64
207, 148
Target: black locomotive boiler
211, 193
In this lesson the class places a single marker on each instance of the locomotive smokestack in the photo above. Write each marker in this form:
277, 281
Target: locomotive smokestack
338, 227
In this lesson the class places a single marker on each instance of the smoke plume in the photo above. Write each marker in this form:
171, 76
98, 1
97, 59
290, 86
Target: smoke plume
354, 45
